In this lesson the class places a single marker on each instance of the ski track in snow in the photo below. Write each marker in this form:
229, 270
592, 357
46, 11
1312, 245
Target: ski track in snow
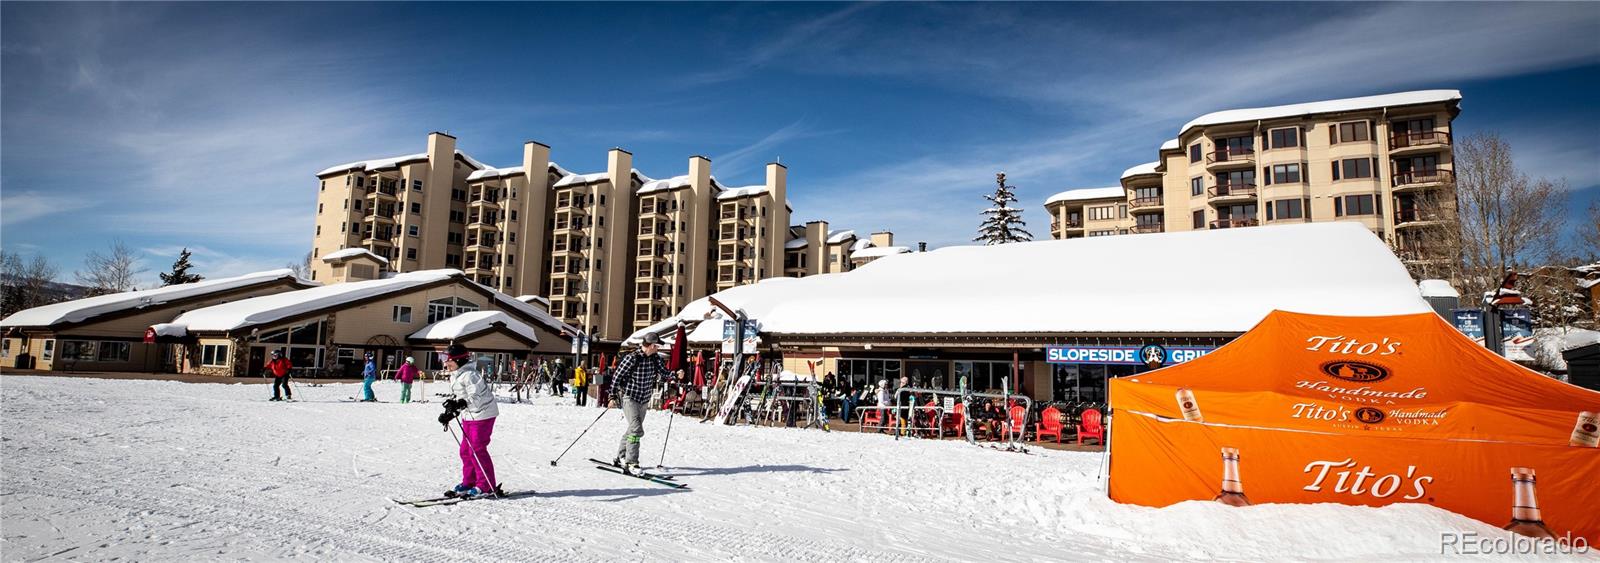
148, 470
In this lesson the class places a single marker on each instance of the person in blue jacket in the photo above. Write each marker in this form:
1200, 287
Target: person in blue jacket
369, 374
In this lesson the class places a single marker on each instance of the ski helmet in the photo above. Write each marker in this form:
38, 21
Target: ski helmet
455, 351
410, 360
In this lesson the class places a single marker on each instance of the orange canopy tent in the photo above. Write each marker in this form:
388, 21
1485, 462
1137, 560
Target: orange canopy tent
1361, 410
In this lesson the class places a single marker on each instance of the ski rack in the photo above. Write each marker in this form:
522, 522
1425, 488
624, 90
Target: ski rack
1013, 441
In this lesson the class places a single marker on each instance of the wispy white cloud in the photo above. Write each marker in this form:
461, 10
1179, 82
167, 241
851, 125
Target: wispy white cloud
831, 30
20, 207
740, 159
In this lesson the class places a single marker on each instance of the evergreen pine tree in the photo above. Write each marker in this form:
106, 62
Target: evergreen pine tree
1002, 223
180, 271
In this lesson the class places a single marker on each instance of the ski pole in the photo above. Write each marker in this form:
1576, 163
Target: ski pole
667, 440
580, 436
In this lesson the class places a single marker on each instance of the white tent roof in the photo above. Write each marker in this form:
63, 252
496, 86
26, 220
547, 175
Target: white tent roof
352, 253
1325, 106
1084, 194
80, 310
1221, 281
468, 323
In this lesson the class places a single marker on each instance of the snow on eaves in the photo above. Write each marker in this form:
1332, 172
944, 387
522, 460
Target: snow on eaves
796, 243
1170, 145
1437, 288
880, 251
80, 310
732, 193
541, 315
492, 172
468, 323
675, 182
579, 179
382, 163
952, 290
270, 308
1325, 106
860, 245
1085, 194
353, 252
837, 237
1142, 169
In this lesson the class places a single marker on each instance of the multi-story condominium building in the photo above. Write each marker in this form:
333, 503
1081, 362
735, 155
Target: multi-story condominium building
610, 251
1384, 160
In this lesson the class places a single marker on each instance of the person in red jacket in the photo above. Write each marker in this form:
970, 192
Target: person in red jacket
279, 368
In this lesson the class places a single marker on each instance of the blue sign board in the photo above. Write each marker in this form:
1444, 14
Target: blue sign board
1469, 322
1123, 355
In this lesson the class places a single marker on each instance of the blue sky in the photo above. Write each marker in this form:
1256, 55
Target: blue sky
201, 125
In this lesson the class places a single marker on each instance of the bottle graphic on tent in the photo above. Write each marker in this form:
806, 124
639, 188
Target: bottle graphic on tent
1186, 403
1587, 433
1232, 493
1525, 516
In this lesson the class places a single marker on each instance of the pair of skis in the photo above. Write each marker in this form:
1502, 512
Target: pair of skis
446, 501
666, 480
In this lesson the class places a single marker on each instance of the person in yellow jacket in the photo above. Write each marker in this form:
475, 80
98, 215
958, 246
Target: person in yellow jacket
580, 384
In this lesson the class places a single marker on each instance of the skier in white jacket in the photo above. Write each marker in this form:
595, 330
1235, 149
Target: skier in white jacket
472, 400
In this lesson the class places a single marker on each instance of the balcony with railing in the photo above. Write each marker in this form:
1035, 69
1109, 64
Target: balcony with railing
1416, 217
1234, 223
1401, 142
1227, 157
1231, 191
1148, 228
1425, 178
1144, 204
387, 190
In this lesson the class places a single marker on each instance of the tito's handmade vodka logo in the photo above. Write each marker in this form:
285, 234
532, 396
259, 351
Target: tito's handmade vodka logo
1338, 476
1342, 345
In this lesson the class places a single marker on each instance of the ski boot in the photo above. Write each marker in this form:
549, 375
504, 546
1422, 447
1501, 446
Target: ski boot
633, 469
458, 491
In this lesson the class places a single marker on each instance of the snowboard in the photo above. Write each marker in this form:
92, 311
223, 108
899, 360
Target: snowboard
731, 402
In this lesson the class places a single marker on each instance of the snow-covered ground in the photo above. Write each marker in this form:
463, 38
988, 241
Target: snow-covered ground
150, 470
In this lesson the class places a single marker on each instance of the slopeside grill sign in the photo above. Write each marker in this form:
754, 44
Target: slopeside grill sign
1124, 355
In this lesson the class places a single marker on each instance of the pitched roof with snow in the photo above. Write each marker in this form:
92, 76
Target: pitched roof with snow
1170, 145
837, 237
492, 172
1140, 170
381, 163
675, 182
353, 252
1085, 194
1325, 106
467, 324
952, 289
578, 179
80, 310
880, 251
860, 245
270, 308
796, 243
734, 193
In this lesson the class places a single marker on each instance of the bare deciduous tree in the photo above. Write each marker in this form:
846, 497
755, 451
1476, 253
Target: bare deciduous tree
1589, 235
301, 269
113, 272
1507, 220
25, 283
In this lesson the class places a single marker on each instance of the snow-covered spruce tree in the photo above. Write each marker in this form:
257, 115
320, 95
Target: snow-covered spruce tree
1002, 223
180, 271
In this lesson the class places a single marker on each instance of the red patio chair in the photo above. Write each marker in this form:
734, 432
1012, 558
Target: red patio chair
1091, 427
1050, 424
871, 416
1017, 423
956, 420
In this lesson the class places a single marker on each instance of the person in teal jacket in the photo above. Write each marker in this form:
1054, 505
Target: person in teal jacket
369, 374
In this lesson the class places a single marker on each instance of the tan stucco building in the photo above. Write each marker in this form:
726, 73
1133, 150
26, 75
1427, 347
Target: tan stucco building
1385, 161
612, 250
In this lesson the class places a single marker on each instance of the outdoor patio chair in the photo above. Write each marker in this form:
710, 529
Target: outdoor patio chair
1051, 423
956, 421
1091, 428
1017, 423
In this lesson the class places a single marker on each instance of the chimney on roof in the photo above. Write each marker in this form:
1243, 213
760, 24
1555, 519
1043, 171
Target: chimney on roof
922, 247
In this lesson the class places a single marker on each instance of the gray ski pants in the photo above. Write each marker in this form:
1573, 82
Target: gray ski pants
633, 412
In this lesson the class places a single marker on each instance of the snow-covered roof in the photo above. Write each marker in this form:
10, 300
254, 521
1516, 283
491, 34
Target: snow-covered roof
1146, 168
880, 251
1170, 145
381, 163
672, 183
269, 308
531, 299
492, 172
1586, 284
576, 179
837, 237
468, 323
954, 289
1325, 106
860, 245
352, 253
79, 310
1437, 288
1084, 194
739, 192
796, 243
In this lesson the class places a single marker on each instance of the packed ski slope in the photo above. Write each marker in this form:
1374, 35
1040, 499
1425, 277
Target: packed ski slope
146, 470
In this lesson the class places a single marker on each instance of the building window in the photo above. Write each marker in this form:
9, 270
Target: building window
1284, 174
1355, 205
114, 352
214, 355
441, 309
1288, 137
1103, 233
513, 215
1353, 168
319, 230
358, 205
1196, 186
77, 350
411, 254
413, 230
1102, 212
416, 185
319, 209
1200, 219
1350, 132
402, 314
1286, 209
416, 208
869, 372
49, 350
343, 227
1122, 211
1194, 152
